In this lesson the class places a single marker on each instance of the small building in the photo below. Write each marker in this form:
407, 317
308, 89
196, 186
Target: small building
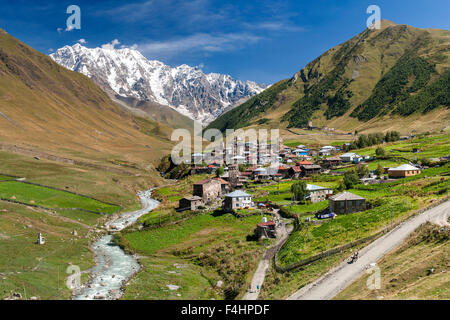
208, 189
346, 202
331, 162
40, 239
200, 170
190, 203
310, 169
300, 152
295, 172
237, 199
284, 171
224, 185
318, 193
327, 151
403, 171
348, 157
266, 229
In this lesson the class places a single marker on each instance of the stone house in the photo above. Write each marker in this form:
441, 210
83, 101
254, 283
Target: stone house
208, 189
190, 203
318, 193
346, 202
225, 186
266, 229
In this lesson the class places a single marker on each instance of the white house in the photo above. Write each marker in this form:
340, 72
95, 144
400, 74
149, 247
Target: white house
327, 150
349, 157
237, 199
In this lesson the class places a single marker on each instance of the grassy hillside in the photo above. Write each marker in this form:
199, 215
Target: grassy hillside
392, 78
416, 270
40, 271
46, 107
162, 114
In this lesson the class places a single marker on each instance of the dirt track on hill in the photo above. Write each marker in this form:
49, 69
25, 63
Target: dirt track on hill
338, 278
263, 266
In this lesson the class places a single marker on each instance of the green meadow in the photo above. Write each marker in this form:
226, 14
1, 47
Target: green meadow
51, 198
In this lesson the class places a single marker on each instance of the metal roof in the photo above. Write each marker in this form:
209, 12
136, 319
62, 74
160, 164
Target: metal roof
237, 194
346, 196
312, 187
404, 167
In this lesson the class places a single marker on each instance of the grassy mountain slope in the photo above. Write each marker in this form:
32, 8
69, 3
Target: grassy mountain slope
416, 270
154, 111
48, 108
392, 78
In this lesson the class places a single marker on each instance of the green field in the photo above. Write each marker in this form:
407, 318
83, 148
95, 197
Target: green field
6, 178
40, 271
211, 247
390, 200
51, 198
406, 271
341, 230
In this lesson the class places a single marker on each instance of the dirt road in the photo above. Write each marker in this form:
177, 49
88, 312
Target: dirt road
337, 279
260, 273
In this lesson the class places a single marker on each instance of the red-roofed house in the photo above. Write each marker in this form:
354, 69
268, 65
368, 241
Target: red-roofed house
266, 229
295, 172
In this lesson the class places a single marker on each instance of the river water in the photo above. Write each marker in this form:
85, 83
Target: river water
113, 267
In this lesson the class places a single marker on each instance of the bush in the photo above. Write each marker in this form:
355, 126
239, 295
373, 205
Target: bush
350, 180
380, 152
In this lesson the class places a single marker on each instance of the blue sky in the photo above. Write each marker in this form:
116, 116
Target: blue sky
259, 40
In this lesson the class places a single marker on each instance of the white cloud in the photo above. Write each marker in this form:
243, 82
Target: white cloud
82, 41
274, 26
111, 45
133, 47
199, 42
68, 29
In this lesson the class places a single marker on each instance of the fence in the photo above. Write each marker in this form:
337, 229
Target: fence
348, 245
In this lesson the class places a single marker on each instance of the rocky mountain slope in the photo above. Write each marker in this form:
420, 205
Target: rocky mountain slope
46, 108
393, 78
128, 74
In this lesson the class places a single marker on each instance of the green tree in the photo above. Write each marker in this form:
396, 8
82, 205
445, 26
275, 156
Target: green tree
379, 171
380, 152
362, 170
299, 190
350, 179
219, 171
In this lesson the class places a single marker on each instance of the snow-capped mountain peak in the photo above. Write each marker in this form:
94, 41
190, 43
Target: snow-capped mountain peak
126, 72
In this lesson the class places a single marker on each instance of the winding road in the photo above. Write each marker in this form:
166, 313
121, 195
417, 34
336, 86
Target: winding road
338, 278
113, 267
